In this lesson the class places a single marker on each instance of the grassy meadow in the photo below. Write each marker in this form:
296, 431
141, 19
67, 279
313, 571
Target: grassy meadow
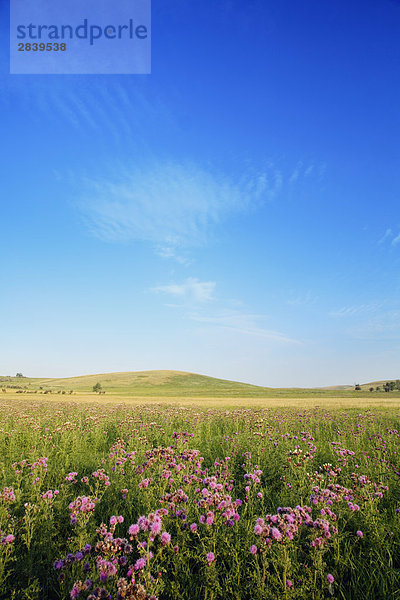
176, 486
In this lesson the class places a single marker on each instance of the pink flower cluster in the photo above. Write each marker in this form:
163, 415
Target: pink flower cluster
7, 539
7, 495
286, 524
213, 497
102, 476
82, 505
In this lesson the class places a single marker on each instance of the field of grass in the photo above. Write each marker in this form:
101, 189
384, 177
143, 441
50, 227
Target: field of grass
198, 498
179, 384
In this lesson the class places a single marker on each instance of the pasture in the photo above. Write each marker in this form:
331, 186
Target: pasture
197, 497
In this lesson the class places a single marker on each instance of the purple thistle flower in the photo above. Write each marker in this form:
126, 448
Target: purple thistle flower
210, 557
74, 593
139, 564
165, 538
134, 530
156, 527
276, 534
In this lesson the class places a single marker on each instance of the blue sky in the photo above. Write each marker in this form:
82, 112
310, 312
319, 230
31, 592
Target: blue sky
235, 213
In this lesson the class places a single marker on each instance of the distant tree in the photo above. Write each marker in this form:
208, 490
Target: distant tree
371, 389
97, 387
357, 387
378, 388
387, 387
397, 384
19, 375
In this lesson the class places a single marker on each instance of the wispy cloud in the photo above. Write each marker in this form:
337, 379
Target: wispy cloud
170, 204
190, 290
356, 310
384, 325
302, 300
243, 323
396, 240
114, 112
388, 234
304, 171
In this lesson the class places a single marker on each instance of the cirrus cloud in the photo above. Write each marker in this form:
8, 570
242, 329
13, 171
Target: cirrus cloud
191, 289
170, 204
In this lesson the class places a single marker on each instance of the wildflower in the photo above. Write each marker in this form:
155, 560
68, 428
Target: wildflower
133, 530
143, 523
253, 549
360, 534
289, 584
139, 564
106, 569
210, 518
76, 590
8, 539
155, 527
330, 578
275, 533
193, 527
165, 538
210, 557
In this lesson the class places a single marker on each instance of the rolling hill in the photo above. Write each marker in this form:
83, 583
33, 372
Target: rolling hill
145, 383
169, 384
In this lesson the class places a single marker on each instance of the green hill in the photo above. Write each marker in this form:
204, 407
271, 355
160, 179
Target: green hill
144, 383
170, 384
